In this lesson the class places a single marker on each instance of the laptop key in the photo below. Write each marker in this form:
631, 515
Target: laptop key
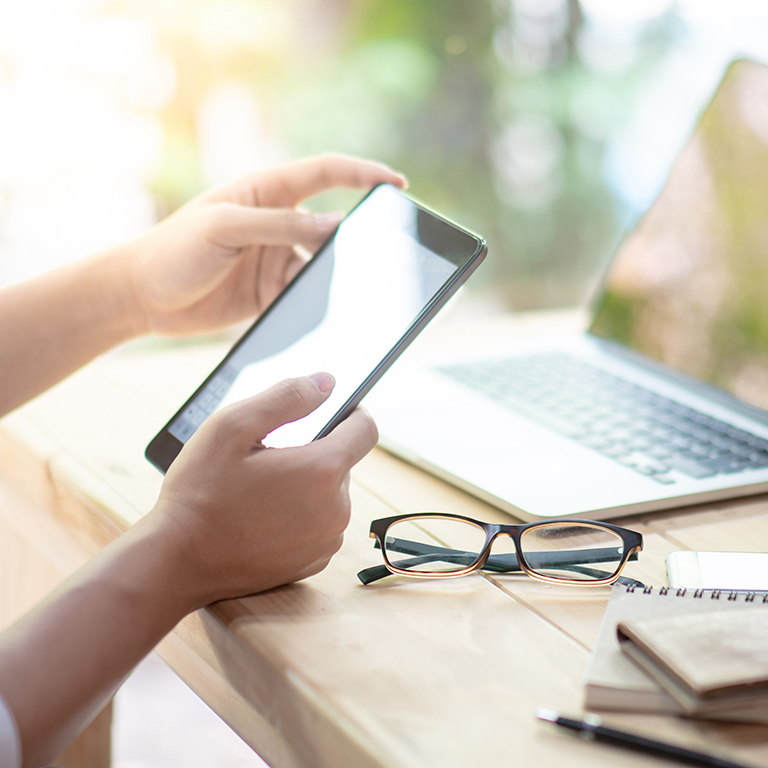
665, 479
615, 451
597, 442
561, 426
643, 464
689, 467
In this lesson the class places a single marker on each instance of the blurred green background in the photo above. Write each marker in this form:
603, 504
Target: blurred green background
545, 125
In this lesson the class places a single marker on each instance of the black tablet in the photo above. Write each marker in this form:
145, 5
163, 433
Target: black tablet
353, 308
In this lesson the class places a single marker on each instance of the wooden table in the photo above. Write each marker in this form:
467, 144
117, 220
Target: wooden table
327, 672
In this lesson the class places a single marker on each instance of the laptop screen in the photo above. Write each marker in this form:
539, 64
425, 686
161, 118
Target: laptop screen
689, 288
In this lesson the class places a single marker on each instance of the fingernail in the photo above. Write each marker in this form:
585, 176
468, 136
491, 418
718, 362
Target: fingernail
323, 381
404, 181
328, 220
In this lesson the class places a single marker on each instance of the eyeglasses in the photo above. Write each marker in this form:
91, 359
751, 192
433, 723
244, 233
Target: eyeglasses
442, 546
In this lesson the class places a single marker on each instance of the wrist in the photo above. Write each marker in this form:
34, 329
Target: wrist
116, 271
102, 292
170, 563
152, 571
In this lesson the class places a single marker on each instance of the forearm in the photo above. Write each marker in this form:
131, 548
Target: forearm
63, 662
53, 324
234, 517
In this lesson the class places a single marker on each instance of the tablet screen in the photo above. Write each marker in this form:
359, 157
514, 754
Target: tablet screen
347, 309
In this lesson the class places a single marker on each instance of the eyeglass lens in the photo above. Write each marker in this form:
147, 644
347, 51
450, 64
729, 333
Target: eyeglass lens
433, 545
567, 551
577, 551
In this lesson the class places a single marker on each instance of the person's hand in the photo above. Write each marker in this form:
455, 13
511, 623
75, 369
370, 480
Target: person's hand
243, 517
233, 518
225, 256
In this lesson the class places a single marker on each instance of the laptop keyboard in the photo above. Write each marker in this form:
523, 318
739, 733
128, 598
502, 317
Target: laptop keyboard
636, 427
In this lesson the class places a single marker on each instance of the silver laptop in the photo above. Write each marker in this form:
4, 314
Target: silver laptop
663, 401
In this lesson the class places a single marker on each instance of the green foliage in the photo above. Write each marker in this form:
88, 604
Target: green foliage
357, 104
506, 133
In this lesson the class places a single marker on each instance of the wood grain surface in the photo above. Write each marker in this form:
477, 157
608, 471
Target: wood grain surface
406, 674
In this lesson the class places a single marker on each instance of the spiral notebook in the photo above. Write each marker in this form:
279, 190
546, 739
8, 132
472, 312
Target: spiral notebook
614, 682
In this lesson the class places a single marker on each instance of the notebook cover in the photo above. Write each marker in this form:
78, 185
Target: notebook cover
614, 682
714, 659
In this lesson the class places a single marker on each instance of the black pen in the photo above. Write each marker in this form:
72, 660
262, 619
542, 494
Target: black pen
590, 728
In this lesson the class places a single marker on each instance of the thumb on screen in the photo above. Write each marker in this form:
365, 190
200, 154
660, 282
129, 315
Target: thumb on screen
286, 401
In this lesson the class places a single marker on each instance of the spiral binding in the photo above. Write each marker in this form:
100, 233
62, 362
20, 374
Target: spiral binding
700, 594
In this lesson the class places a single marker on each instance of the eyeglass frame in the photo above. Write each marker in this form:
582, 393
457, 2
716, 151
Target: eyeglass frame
632, 544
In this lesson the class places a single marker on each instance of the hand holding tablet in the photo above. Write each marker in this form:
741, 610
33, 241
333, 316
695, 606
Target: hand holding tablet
351, 311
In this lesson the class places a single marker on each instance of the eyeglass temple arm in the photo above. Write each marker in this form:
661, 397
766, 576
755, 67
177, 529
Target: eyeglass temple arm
376, 572
508, 562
